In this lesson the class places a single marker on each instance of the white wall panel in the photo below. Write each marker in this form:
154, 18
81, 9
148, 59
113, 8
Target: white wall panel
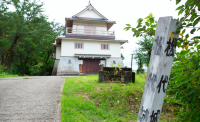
102, 24
58, 52
67, 48
90, 14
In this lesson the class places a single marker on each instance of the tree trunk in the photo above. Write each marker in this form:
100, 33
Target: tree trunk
11, 48
4, 60
23, 65
45, 63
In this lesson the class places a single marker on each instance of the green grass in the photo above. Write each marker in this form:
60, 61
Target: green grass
4, 75
85, 99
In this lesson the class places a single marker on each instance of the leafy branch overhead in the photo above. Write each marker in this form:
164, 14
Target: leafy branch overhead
146, 25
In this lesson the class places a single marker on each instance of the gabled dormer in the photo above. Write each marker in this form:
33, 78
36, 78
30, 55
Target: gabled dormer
89, 24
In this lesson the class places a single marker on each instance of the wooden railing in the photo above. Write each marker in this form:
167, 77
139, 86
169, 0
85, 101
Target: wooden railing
70, 30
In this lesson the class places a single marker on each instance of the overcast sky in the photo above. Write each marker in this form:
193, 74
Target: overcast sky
121, 11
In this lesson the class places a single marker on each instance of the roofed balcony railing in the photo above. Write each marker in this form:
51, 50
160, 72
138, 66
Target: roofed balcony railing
70, 30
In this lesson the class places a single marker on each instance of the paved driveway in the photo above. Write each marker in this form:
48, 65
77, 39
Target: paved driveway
32, 99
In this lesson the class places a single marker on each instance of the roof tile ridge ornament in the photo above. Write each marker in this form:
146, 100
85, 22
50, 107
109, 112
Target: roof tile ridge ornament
89, 4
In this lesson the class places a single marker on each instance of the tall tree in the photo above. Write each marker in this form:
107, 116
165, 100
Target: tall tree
26, 36
139, 57
145, 47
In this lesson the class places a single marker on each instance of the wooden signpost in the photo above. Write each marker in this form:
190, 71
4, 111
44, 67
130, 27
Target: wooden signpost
160, 65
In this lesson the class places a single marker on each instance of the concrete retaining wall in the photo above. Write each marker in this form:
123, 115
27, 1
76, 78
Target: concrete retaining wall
55, 67
68, 66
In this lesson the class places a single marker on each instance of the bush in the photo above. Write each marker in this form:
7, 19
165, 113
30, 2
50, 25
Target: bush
184, 84
37, 70
1, 69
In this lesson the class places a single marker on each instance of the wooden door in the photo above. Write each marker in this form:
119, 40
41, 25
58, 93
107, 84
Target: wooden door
80, 68
95, 66
91, 66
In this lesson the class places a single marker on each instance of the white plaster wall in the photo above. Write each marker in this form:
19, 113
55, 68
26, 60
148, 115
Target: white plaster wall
80, 61
80, 29
101, 28
90, 14
101, 31
109, 62
103, 62
100, 24
67, 48
58, 52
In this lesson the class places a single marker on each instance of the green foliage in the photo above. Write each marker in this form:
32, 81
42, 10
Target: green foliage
1, 69
143, 53
185, 78
138, 71
122, 56
145, 47
119, 66
148, 28
26, 36
36, 69
5, 75
184, 83
139, 56
116, 71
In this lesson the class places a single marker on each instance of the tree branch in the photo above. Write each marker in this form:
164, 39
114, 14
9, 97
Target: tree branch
187, 68
191, 11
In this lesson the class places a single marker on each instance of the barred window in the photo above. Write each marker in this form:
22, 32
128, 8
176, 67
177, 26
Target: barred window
105, 46
78, 45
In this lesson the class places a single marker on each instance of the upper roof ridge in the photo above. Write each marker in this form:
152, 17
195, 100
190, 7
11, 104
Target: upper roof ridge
90, 7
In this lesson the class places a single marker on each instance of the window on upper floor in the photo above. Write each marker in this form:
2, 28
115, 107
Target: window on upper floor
105, 46
78, 45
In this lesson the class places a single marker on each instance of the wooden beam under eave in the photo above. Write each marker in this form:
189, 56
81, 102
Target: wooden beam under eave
69, 23
109, 25
58, 41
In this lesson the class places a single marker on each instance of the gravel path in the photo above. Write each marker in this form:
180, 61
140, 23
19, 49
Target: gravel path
34, 99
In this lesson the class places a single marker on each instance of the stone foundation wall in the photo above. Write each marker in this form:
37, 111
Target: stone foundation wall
68, 66
55, 67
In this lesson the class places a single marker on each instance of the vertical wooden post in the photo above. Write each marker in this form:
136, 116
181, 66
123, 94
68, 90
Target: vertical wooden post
131, 67
160, 65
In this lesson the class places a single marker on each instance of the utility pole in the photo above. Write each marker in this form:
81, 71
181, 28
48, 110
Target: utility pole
131, 67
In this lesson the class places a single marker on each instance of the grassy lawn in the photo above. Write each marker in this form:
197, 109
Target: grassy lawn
4, 75
85, 99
